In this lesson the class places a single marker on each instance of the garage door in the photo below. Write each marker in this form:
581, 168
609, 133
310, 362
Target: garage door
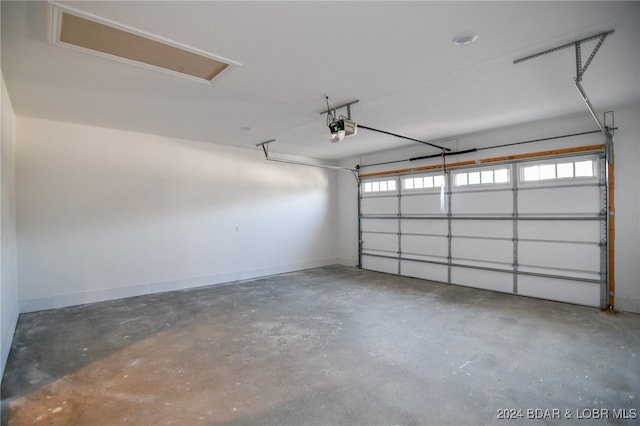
534, 228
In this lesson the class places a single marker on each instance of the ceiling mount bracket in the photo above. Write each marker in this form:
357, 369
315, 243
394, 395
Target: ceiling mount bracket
580, 68
576, 44
345, 105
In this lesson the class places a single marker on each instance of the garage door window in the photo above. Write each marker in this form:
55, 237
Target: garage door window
482, 177
378, 186
422, 182
559, 170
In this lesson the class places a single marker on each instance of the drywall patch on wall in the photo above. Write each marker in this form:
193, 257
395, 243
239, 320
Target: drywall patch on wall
8, 276
102, 210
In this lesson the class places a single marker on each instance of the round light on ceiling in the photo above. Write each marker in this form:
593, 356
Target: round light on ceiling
465, 38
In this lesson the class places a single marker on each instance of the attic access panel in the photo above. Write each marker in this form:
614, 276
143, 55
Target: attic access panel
126, 44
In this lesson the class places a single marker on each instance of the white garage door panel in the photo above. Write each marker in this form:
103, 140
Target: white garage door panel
553, 241
561, 290
379, 205
580, 257
428, 203
555, 230
554, 201
428, 260
425, 226
487, 280
483, 228
482, 202
386, 242
481, 249
380, 264
432, 246
585, 275
506, 267
424, 270
379, 225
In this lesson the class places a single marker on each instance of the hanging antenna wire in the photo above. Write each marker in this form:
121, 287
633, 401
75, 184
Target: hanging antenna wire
329, 113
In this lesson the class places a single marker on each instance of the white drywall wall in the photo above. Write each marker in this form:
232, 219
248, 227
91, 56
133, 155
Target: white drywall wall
8, 277
627, 191
627, 203
104, 213
347, 222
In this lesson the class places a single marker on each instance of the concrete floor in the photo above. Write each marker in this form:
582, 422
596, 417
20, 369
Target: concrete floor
326, 346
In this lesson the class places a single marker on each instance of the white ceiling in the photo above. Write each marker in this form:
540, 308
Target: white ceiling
397, 58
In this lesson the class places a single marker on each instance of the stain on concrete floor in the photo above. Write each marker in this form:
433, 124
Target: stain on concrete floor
326, 346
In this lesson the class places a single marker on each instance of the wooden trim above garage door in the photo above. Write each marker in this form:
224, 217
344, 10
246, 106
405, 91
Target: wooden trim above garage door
532, 155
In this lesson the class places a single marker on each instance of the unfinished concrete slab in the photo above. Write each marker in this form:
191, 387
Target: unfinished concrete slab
326, 346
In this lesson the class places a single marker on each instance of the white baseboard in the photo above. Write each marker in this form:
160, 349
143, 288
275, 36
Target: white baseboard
627, 304
81, 298
7, 338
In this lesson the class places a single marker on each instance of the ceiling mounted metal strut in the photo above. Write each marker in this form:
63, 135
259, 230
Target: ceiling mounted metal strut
577, 44
332, 110
580, 68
